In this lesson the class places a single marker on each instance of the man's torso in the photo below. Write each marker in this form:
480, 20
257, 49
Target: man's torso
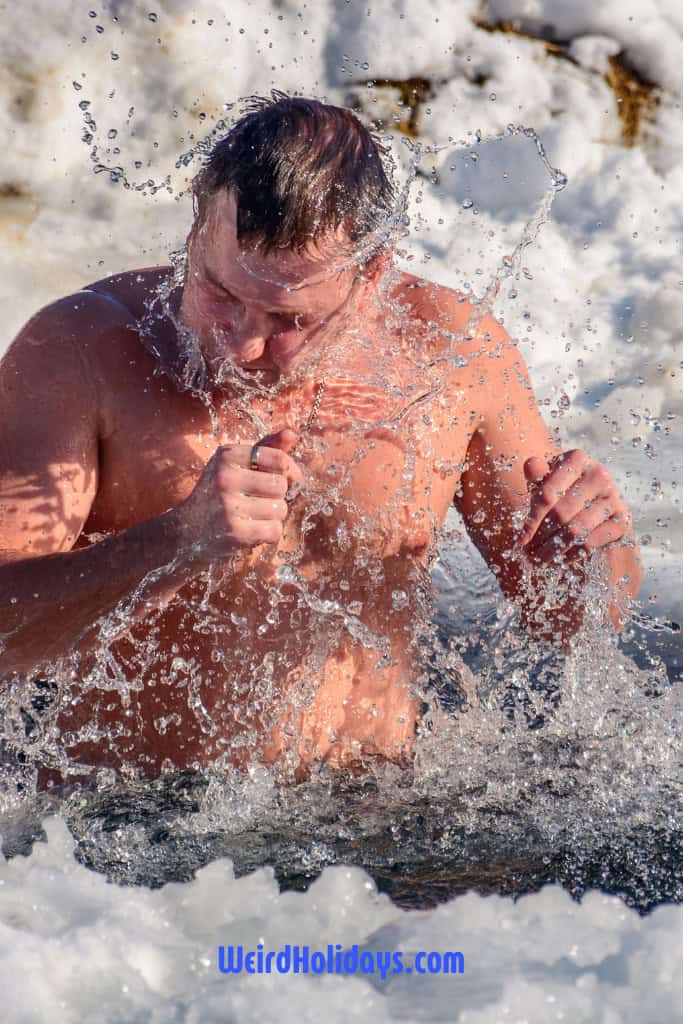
252, 662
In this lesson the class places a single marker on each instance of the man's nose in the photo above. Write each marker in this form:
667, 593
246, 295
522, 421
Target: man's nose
250, 335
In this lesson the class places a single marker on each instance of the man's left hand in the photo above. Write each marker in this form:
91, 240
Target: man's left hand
575, 507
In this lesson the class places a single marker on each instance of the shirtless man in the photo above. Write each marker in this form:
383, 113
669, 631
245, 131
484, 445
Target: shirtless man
275, 625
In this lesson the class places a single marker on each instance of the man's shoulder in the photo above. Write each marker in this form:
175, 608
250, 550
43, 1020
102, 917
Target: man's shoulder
428, 300
73, 318
117, 302
86, 322
451, 320
86, 344
131, 290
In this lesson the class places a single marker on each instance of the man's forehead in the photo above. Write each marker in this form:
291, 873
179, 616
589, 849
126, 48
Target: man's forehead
284, 275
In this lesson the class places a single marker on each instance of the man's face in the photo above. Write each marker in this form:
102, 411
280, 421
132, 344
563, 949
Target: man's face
264, 313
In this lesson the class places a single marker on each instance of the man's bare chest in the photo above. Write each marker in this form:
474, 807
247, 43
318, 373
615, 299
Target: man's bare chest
374, 473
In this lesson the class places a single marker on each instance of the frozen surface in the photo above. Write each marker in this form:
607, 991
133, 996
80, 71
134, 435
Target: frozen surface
74, 948
649, 31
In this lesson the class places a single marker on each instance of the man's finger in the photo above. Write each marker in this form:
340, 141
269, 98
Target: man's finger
281, 443
270, 460
575, 532
261, 508
612, 530
535, 469
547, 489
576, 506
284, 439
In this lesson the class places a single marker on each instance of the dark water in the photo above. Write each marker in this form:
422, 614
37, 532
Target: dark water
418, 852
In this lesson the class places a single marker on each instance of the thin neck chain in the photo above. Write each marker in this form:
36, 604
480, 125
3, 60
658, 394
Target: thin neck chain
316, 406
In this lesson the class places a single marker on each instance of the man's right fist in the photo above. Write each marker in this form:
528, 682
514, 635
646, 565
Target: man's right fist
233, 506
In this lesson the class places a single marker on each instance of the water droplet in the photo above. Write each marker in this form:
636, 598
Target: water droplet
112, 133
152, 16
286, 574
114, 56
467, 204
77, 86
493, 96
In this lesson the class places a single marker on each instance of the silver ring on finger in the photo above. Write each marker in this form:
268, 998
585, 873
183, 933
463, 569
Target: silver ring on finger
253, 458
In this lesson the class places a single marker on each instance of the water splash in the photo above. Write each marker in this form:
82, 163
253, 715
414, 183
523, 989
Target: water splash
507, 759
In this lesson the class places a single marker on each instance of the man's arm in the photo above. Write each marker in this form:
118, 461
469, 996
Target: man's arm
49, 427
50, 595
575, 506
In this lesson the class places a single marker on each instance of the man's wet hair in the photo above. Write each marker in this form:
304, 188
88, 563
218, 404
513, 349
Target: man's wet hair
298, 169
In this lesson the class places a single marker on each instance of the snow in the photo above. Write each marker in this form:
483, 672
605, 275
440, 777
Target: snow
77, 949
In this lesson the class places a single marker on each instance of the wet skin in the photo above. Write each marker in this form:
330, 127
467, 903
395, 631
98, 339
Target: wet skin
118, 443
